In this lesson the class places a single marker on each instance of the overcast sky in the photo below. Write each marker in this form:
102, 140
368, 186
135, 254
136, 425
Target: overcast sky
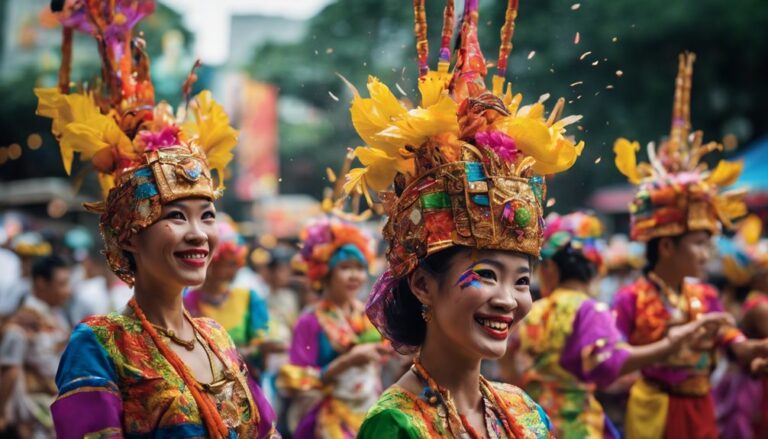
209, 20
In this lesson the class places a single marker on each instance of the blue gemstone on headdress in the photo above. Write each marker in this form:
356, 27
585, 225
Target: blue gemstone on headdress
145, 190
195, 171
474, 171
481, 200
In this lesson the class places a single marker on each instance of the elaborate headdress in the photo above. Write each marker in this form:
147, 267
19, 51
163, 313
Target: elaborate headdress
676, 193
146, 155
467, 164
745, 254
581, 230
328, 241
334, 237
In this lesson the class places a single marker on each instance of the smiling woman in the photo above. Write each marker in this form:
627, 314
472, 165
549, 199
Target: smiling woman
334, 367
464, 222
152, 370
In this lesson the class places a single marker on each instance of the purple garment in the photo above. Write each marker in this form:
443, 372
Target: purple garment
305, 346
593, 328
737, 399
625, 307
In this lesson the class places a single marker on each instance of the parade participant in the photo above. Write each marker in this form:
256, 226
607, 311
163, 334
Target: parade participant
742, 399
241, 311
465, 225
26, 246
572, 339
152, 370
31, 344
334, 370
676, 210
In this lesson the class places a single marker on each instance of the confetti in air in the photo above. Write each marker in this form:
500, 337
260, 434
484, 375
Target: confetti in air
551, 202
400, 89
615, 39
597, 160
577, 83
577, 38
333, 96
532, 54
584, 55
575, 6
619, 73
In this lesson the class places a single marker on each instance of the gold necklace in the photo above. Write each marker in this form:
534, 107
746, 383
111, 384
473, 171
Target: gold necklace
216, 385
186, 344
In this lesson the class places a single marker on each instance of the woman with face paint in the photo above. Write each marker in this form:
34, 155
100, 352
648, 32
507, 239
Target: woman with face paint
572, 340
334, 368
152, 370
465, 223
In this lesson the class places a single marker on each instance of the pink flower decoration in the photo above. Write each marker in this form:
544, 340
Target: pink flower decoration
168, 136
500, 143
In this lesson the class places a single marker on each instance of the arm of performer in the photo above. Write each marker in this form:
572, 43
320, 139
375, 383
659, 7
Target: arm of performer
87, 382
12, 350
596, 353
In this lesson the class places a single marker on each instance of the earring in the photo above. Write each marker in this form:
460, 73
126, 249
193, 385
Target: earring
426, 313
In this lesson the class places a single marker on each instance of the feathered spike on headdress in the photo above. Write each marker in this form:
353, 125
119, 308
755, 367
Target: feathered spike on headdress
681, 109
470, 70
507, 31
447, 35
420, 29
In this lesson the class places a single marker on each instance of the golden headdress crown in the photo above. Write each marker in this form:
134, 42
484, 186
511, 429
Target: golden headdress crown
676, 192
467, 164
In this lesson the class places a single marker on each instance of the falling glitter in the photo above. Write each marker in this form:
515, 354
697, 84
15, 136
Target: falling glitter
577, 83
532, 54
575, 6
402, 92
551, 202
329, 51
584, 55
619, 73
333, 96
597, 160
615, 39
608, 87
595, 63
577, 38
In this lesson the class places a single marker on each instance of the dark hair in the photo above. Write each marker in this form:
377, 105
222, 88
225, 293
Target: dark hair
44, 267
403, 313
573, 265
652, 251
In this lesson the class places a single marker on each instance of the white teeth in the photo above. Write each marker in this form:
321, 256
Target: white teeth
494, 324
193, 256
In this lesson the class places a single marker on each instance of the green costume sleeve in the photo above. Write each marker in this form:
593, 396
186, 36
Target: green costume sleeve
388, 423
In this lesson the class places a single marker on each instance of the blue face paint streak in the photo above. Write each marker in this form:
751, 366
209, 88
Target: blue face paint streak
469, 278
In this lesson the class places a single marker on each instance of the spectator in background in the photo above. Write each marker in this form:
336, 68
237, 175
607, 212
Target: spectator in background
33, 340
27, 246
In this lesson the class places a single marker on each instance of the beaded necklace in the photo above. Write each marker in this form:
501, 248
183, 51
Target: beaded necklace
458, 424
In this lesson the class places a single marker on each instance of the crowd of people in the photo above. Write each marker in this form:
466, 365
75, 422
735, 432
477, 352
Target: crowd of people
483, 318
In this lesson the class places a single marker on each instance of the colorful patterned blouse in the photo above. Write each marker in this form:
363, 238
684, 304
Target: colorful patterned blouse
643, 315
321, 335
402, 414
243, 314
114, 382
574, 345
